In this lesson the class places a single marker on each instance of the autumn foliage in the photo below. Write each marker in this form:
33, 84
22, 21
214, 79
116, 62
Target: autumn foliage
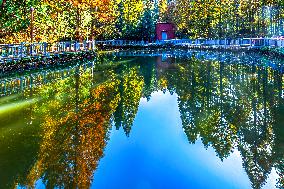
56, 20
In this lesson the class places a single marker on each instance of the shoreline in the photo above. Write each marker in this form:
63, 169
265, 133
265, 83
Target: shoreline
266, 51
29, 64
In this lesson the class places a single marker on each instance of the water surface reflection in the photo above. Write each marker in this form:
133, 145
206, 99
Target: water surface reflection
232, 111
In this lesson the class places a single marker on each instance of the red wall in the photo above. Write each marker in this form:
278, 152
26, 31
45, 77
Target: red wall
168, 27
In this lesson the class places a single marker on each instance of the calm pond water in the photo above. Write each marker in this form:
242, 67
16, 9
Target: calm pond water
145, 121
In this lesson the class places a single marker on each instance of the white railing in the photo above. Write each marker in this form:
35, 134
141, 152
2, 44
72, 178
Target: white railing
18, 51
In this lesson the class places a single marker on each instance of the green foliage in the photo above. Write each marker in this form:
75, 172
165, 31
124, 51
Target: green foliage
56, 20
226, 18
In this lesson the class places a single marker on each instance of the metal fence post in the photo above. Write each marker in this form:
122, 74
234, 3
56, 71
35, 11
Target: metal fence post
21, 50
44, 48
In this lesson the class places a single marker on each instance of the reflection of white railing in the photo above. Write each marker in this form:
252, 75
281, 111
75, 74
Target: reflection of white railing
227, 57
18, 51
15, 85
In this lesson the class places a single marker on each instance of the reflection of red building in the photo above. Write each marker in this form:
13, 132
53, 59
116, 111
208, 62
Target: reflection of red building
164, 65
165, 31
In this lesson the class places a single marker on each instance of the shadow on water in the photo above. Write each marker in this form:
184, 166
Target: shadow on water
61, 137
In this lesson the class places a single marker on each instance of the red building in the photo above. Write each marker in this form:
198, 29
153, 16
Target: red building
165, 31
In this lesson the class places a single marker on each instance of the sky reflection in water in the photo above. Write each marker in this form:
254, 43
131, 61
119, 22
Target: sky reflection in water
163, 158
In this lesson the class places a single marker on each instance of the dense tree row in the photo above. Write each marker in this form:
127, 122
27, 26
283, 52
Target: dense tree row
226, 18
56, 20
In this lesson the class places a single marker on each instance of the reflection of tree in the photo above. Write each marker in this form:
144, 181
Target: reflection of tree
227, 107
231, 106
76, 120
256, 138
18, 138
76, 115
130, 89
148, 72
200, 117
278, 149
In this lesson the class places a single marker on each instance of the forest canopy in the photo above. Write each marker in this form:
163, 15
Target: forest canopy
59, 20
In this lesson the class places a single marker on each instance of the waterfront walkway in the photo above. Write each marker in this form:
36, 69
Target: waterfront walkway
10, 52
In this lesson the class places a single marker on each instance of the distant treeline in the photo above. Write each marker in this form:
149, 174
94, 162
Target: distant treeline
56, 20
